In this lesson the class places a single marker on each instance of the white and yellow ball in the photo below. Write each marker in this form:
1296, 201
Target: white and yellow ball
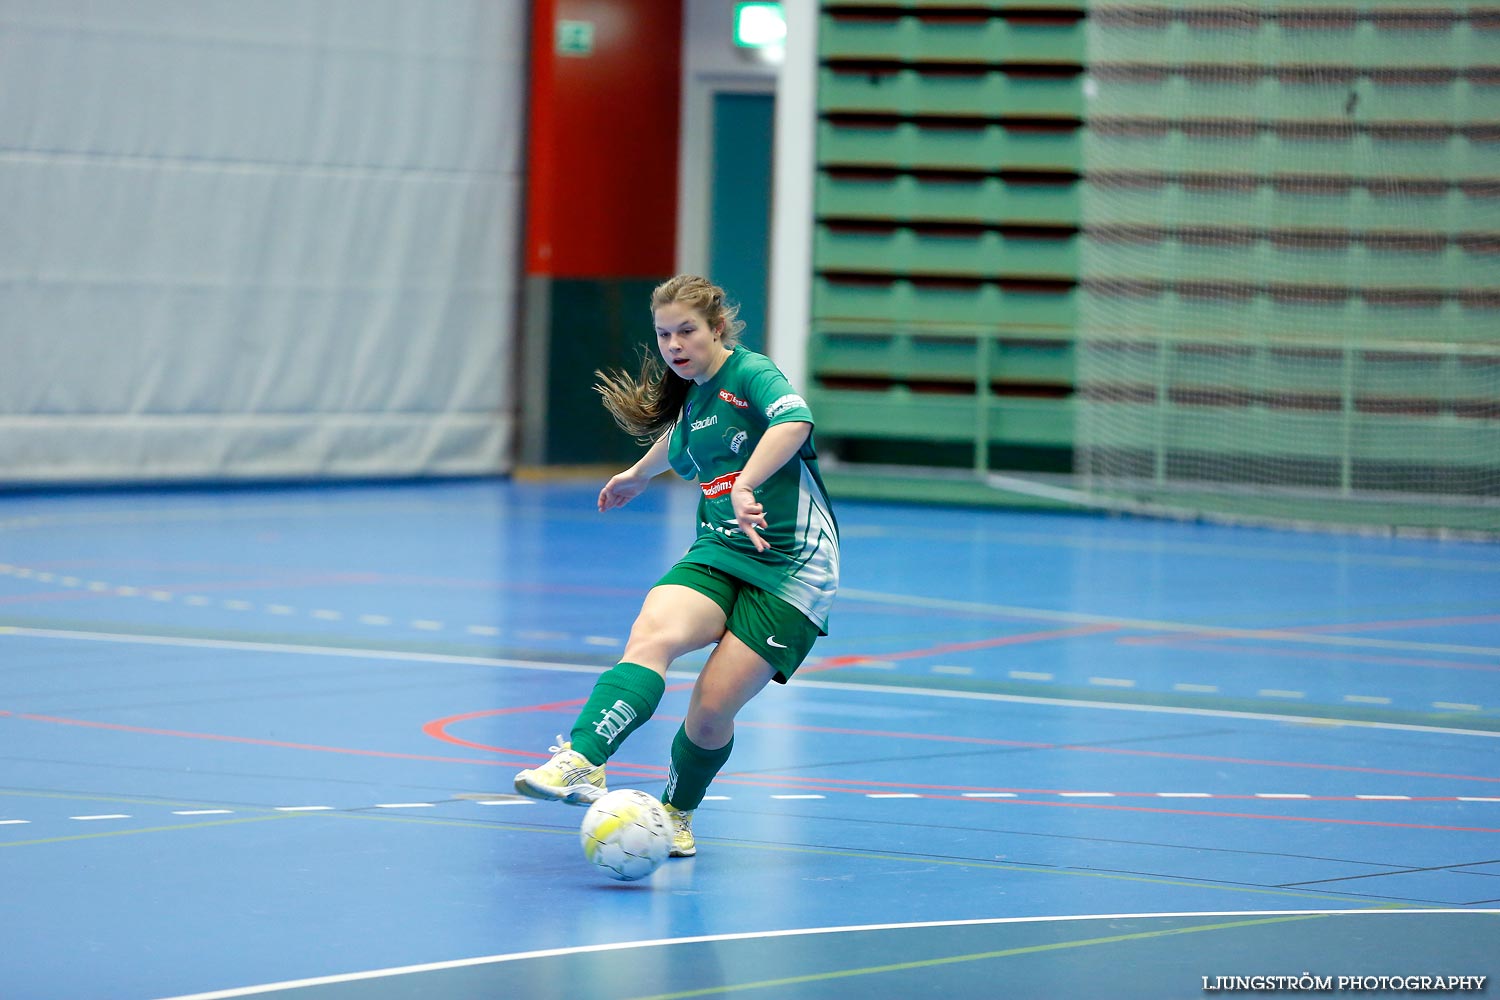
627, 834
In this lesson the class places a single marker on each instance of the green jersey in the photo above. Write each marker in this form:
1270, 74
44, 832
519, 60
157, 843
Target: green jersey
721, 422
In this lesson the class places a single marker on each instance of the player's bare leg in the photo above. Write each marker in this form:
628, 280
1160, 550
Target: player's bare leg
734, 674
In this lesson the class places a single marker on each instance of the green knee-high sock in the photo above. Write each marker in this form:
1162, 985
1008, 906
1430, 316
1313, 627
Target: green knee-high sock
693, 769
623, 699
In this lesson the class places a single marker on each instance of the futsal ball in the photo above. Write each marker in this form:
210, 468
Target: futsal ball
627, 834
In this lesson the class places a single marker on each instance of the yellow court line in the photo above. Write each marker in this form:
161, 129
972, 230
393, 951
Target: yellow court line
150, 829
26, 793
976, 957
1038, 870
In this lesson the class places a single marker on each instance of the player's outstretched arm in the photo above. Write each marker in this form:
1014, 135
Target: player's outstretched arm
776, 447
626, 486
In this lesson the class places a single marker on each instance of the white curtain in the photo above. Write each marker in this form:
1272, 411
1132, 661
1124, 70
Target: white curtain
258, 238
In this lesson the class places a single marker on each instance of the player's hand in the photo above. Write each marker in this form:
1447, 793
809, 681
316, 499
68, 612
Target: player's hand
621, 489
749, 515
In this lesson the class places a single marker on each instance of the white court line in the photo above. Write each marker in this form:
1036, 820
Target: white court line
405, 656
465, 963
1153, 625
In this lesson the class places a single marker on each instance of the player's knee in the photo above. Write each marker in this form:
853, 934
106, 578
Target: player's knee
709, 726
657, 637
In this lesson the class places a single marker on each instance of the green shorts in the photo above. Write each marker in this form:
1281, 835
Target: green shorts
780, 633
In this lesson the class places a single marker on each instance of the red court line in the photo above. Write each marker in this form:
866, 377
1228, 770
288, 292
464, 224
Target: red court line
251, 740
834, 662
1231, 815
438, 729
1168, 755
1319, 766
731, 779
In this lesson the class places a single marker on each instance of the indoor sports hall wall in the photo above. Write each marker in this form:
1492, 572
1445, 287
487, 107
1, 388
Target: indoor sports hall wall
258, 238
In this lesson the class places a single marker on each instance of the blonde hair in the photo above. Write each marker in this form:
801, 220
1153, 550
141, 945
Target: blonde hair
646, 405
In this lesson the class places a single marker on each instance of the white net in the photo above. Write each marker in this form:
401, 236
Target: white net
1290, 264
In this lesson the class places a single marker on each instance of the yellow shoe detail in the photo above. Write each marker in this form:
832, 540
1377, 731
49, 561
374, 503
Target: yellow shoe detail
683, 844
568, 777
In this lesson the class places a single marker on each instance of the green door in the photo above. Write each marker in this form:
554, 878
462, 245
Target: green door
739, 225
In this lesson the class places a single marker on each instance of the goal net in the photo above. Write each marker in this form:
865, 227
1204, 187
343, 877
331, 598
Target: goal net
1289, 302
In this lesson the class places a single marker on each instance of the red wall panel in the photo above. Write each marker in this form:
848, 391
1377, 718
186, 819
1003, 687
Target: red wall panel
602, 146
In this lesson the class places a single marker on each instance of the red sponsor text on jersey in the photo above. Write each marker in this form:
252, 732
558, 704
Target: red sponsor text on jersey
719, 486
730, 397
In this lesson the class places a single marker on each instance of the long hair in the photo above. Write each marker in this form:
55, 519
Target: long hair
646, 405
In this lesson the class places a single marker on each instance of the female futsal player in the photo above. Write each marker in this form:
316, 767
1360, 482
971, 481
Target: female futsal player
757, 580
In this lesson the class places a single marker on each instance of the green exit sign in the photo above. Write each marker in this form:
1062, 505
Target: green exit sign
575, 38
758, 25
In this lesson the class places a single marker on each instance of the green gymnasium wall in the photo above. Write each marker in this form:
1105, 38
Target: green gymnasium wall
1195, 254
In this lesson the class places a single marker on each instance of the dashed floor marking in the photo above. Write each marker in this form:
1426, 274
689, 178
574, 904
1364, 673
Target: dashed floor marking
432, 625
491, 800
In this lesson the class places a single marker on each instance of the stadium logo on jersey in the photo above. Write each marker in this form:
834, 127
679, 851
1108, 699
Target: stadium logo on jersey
735, 438
720, 486
709, 421
785, 403
730, 397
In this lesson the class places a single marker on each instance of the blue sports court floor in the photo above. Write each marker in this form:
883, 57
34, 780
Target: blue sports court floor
259, 742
